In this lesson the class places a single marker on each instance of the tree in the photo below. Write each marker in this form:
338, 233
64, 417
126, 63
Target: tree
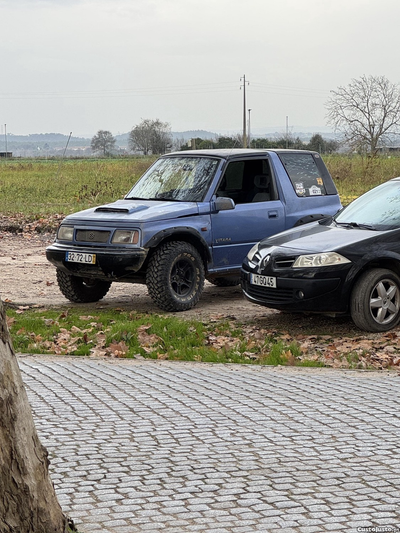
103, 142
28, 503
288, 141
319, 144
367, 111
151, 137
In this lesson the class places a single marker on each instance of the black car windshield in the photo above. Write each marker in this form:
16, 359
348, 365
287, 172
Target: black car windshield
378, 209
181, 179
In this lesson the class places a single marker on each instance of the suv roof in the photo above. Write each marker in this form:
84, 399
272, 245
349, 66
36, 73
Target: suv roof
228, 153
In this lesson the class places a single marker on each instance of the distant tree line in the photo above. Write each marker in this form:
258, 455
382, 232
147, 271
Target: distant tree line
317, 143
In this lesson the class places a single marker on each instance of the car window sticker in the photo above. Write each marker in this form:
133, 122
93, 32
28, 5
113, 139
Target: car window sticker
314, 191
300, 190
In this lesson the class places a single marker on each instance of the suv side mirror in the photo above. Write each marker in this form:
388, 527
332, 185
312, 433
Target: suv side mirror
223, 204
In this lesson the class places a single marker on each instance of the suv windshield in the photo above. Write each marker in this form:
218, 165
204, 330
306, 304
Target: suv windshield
184, 179
378, 209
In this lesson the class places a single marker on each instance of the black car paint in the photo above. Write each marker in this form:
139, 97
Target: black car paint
326, 289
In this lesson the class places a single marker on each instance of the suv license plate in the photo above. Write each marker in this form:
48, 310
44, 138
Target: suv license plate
75, 257
263, 281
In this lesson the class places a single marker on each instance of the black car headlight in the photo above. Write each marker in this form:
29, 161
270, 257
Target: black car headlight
252, 252
320, 260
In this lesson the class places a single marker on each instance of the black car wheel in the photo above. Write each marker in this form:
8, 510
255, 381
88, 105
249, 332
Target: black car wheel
175, 276
81, 290
375, 301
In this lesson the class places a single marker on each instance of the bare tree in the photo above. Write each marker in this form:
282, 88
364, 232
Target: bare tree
103, 142
28, 503
366, 112
151, 137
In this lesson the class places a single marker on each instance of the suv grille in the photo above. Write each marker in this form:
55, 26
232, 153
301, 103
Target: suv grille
92, 236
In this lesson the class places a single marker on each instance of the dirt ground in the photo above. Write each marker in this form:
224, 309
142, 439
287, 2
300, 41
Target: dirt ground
27, 278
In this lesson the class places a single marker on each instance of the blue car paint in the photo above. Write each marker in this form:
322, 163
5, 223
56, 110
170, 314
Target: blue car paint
223, 236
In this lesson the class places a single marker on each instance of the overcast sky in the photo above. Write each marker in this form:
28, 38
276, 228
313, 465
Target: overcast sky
83, 65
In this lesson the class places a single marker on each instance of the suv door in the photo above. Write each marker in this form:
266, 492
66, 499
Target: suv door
258, 212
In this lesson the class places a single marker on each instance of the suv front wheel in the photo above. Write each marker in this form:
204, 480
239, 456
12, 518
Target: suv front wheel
81, 290
175, 276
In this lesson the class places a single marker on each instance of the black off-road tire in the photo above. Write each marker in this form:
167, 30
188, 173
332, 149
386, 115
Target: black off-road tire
175, 276
375, 300
81, 290
225, 282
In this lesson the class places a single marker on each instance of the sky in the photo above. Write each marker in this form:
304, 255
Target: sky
84, 65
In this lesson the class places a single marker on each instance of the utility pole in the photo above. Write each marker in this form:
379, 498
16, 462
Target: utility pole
5, 137
248, 131
287, 131
244, 110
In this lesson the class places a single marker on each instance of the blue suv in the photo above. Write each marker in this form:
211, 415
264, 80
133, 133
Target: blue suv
192, 216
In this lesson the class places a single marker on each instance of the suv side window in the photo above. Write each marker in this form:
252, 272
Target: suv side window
248, 181
306, 177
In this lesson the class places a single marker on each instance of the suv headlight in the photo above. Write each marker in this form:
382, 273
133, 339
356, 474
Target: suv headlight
65, 233
320, 260
125, 237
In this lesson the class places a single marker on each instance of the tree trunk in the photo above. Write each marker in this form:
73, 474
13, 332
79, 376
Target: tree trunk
28, 503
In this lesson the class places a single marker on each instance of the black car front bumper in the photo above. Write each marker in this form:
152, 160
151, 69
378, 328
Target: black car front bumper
298, 294
112, 264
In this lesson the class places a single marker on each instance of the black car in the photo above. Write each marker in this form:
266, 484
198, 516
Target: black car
348, 263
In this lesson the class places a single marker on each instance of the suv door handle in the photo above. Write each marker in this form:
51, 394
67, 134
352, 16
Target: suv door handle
272, 214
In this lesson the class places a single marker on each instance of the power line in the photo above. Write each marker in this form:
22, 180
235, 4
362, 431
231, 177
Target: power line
220, 87
118, 93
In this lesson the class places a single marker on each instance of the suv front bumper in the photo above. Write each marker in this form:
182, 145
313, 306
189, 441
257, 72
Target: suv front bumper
112, 263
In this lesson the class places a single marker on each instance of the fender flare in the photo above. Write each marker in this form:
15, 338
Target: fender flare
181, 232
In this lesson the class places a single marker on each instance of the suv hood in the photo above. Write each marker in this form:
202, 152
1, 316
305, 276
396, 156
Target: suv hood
315, 238
134, 211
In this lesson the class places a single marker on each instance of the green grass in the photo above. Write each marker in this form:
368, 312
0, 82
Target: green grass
44, 187
39, 188
354, 175
129, 334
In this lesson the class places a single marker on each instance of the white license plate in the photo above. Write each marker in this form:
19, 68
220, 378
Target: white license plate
263, 281
76, 257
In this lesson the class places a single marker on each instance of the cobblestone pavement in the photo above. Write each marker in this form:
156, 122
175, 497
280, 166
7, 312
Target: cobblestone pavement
145, 446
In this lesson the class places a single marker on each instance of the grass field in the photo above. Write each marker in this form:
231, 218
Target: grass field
37, 187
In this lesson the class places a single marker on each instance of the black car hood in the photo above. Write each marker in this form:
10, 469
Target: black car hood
315, 237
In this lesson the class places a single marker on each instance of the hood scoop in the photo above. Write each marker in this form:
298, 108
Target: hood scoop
115, 209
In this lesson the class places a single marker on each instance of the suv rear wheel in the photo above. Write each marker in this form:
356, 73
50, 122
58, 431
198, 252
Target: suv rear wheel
175, 276
81, 290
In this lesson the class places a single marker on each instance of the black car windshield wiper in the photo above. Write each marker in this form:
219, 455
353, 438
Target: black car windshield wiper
355, 225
